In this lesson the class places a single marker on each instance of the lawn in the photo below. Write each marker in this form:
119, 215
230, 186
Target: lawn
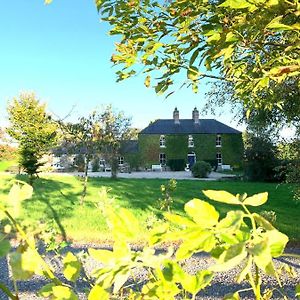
56, 198
6, 164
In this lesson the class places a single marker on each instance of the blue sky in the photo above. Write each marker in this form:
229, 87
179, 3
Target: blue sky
62, 53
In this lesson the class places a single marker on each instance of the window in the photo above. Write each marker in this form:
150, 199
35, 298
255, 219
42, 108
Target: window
190, 141
218, 141
162, 159
102, 162
162, 141
121, 160
219, 158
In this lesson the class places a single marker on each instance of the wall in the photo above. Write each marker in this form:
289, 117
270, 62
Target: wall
204, 147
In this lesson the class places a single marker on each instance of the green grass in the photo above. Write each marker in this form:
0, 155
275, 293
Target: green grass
57, 198
6, 164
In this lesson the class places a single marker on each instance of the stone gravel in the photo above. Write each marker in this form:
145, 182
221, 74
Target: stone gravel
222, 284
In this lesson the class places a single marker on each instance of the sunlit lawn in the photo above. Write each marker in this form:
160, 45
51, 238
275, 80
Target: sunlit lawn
57, 198
6, 164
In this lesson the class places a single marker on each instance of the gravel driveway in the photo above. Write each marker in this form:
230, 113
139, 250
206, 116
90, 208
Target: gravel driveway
223, 283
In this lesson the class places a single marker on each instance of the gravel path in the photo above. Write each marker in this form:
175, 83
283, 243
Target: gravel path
151, 175
223, 283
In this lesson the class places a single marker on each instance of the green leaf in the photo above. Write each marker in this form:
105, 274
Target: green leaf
4, 247
234, 296
230, 258
275, 24
63, 293
262, 222
46, 290
203, 213
245, 270
72, 267
236, 4
179, 220
26, 264
98, 293
277, 242
297, 291
221, 196
147, 81
158, 233
104, 256
256, 200
192, 73
198, 241
232, 221
193, 284
123, 223
231, 37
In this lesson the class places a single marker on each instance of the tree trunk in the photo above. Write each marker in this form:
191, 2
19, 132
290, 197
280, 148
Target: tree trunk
114, 165
86, 166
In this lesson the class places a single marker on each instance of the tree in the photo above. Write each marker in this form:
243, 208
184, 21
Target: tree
260, 156
116, 129
254, 45
33, 129
87, 138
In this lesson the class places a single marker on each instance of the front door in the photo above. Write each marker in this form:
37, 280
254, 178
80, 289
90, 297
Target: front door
191, 159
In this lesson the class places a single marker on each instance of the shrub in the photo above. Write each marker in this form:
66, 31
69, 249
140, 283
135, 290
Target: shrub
176, 164
213, 163
201, 169
95, 164
230, 241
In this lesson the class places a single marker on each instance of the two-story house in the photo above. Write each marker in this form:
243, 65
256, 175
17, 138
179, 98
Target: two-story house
190, 139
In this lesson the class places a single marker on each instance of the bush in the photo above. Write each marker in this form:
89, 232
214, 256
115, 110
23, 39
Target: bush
213, 163
201, 169
176, 164
95, 164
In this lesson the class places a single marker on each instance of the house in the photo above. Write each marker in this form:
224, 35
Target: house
190, 140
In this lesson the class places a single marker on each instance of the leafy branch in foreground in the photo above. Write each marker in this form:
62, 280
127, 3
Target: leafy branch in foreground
241, 239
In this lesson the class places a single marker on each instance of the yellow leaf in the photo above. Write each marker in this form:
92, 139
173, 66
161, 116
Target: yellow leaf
257, 200
221, 196
147, 81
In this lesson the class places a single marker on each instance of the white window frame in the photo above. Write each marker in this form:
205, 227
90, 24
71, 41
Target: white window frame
219, 158
162, 159
218, 140
162, 141
191, 142
121, 160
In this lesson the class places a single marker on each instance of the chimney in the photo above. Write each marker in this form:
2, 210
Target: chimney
196, 116
176, 116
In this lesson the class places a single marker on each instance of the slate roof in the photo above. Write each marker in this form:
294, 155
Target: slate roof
187, 126
130, 146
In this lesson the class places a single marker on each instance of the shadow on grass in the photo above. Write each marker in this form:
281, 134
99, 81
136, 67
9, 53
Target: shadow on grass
57, 203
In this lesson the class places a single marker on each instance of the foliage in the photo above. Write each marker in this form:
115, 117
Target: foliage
231, 241
116, 129
166, 201
213, 163
95, 164
253, 45
260, 157
79, 162
176, 164
33, 129
201, 169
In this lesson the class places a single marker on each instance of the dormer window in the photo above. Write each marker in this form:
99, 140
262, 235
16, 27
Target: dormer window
190, 141
218, 141
162, 141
